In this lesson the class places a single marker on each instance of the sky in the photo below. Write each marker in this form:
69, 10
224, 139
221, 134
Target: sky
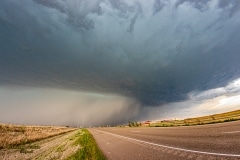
105, 62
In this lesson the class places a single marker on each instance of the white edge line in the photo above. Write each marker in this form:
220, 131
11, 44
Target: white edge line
232, 132
175, 148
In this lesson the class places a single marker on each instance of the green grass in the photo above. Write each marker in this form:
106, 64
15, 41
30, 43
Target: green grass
60, 148
88, 147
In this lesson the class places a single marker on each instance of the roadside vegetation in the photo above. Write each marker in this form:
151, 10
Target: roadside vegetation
134, 124
12, 136
88, 147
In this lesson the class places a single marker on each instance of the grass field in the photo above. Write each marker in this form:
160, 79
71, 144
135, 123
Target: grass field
15, 135
216, 118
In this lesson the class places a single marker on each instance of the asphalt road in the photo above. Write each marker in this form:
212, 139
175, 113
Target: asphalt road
205, 142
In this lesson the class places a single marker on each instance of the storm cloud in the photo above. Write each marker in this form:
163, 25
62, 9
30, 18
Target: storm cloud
154, 52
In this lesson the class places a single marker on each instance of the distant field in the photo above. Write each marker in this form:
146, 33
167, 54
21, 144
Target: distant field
15, 135
216, 118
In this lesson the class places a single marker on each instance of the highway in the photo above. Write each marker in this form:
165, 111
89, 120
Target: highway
204, 142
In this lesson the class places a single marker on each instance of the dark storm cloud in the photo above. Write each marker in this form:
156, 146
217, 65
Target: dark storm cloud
153, 51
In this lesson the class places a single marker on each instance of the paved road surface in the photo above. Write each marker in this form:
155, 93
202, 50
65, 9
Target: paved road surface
205, 142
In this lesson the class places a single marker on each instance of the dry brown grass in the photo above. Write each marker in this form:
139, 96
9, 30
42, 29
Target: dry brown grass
216, 118
14, 135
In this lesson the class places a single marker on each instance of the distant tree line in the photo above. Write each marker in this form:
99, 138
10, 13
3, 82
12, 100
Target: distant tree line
133, 124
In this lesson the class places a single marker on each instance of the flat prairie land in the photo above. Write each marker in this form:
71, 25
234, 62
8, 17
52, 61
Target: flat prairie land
36, 142
54, 148
15, 135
